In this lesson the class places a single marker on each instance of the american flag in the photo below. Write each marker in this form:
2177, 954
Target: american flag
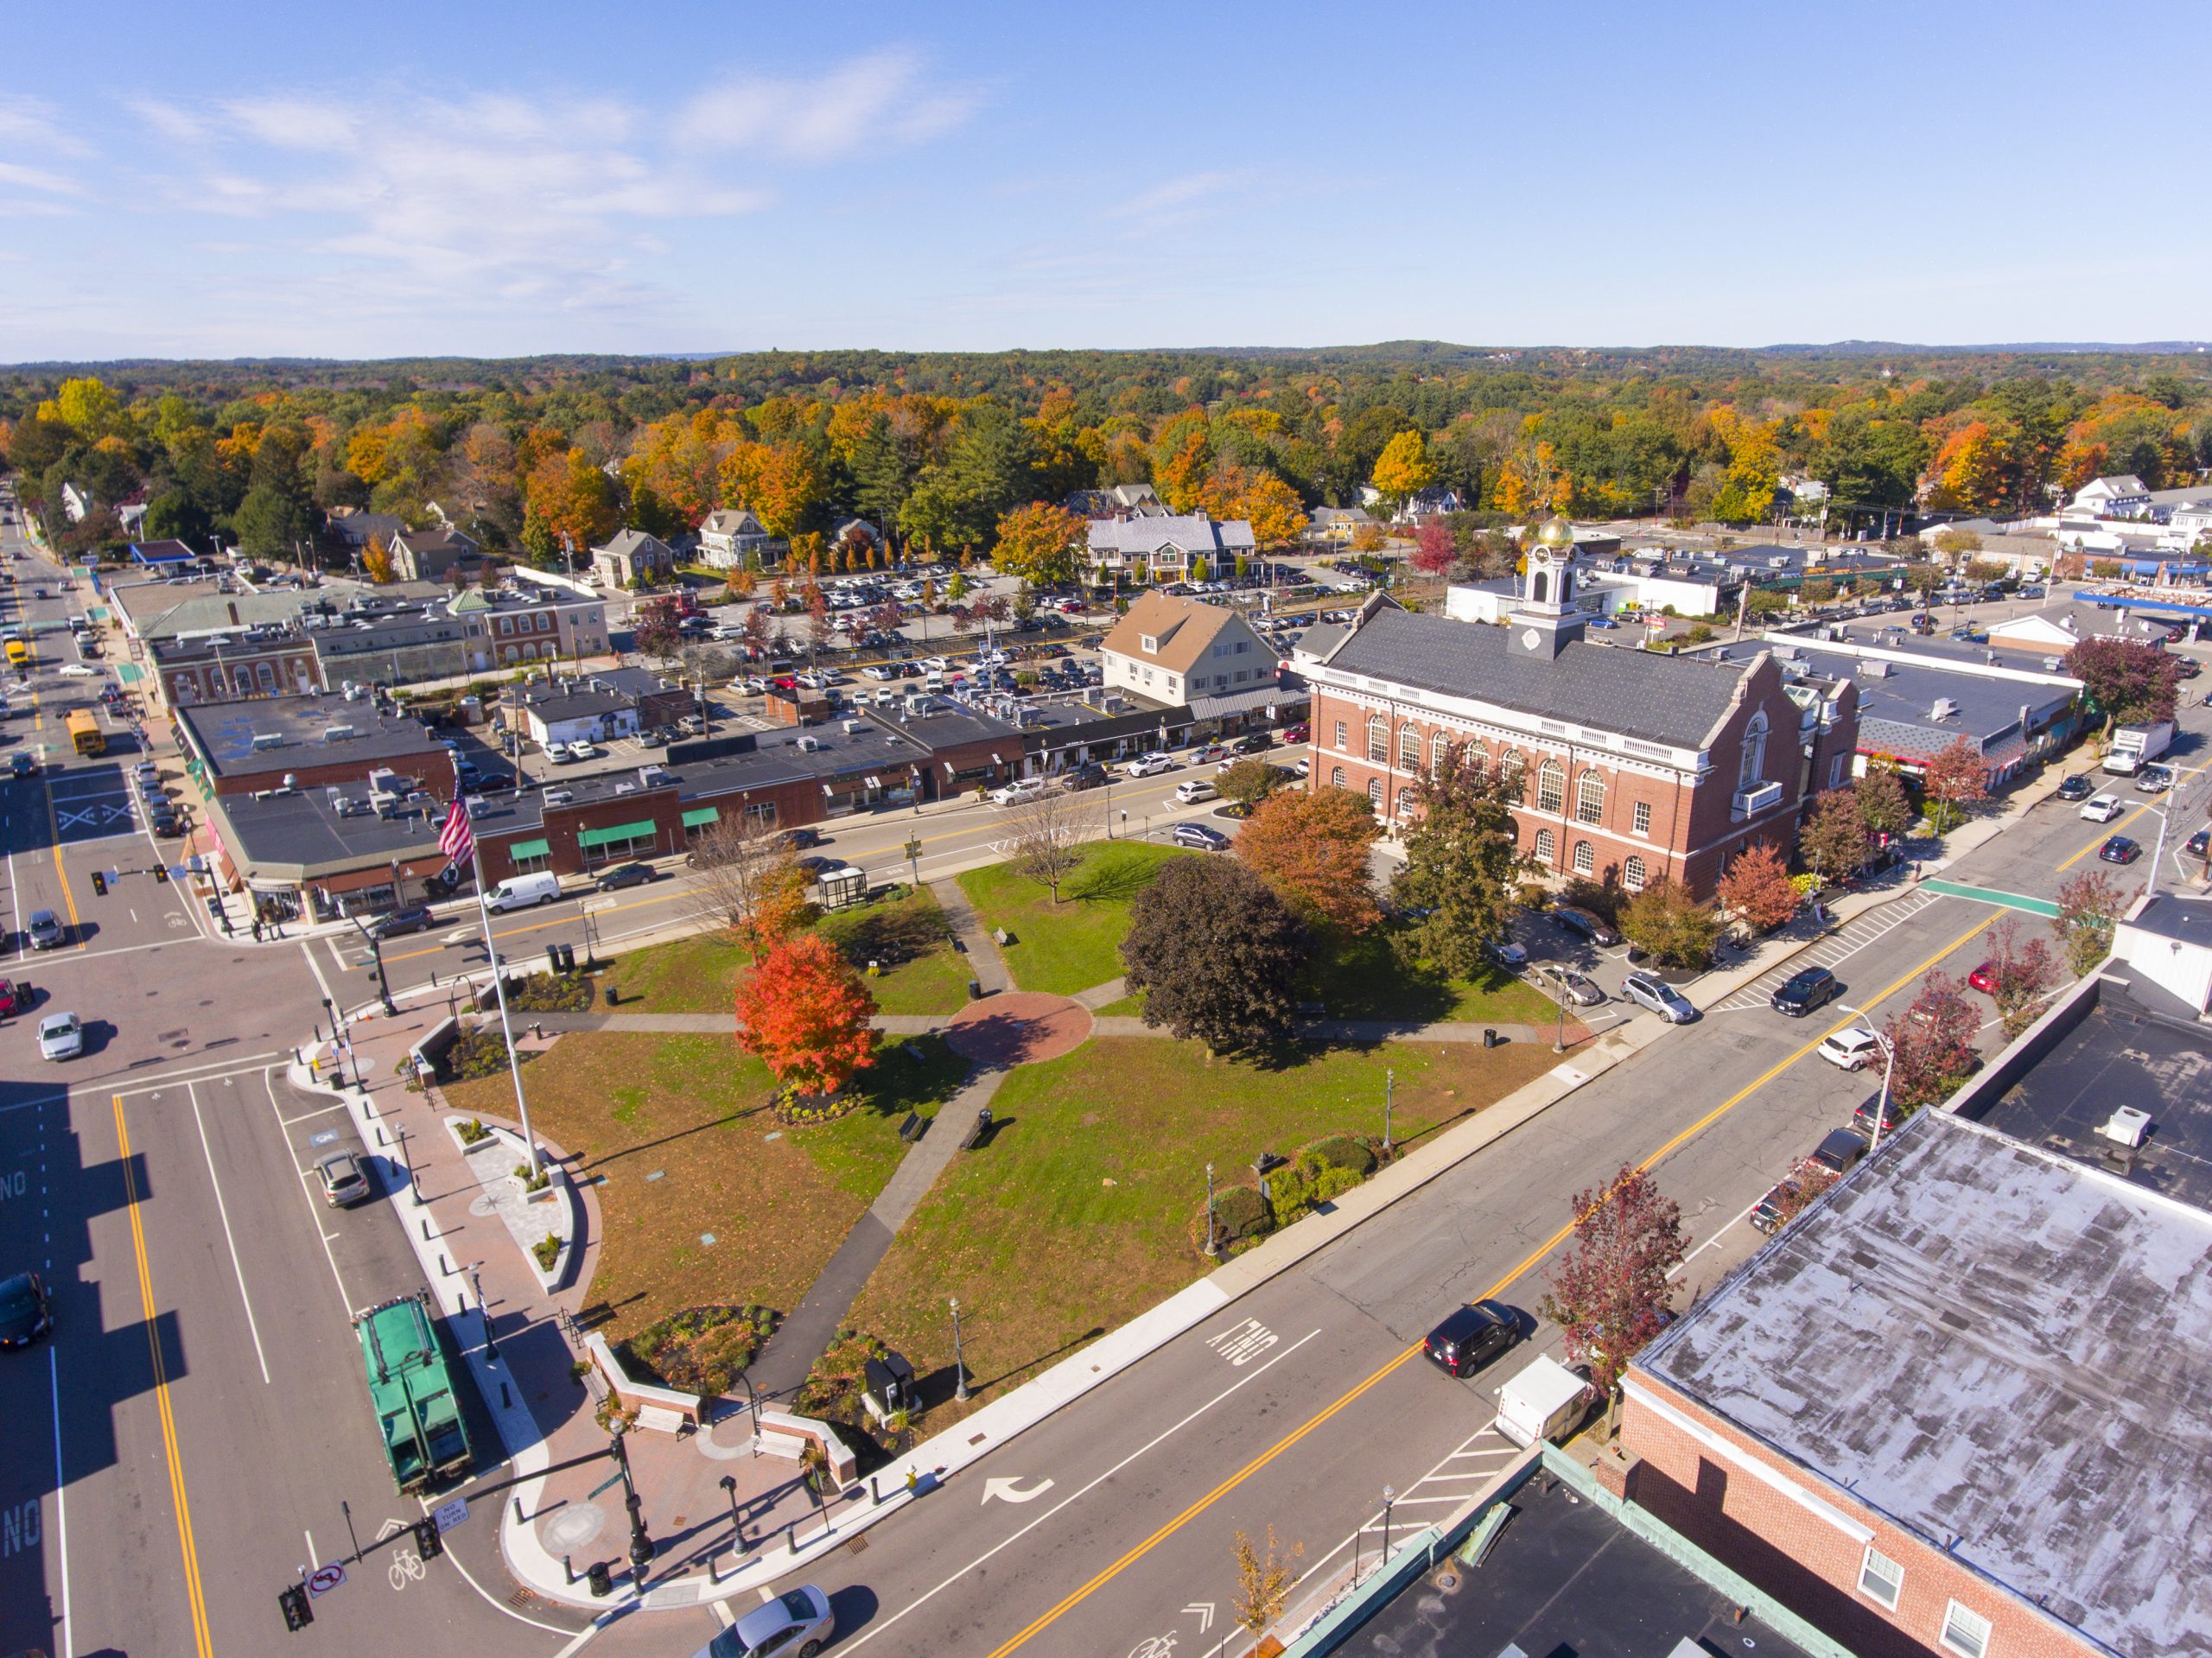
455, 839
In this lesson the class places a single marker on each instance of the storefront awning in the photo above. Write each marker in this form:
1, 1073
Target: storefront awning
521, 849
700, 817
643, 826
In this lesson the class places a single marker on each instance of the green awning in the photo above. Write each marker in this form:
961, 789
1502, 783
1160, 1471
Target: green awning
522, 849
644, 828
700, 817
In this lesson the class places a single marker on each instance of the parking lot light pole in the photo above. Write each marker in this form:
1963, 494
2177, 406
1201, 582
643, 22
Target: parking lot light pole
959, 1365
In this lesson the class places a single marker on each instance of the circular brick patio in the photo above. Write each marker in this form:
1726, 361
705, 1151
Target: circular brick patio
1019, 1028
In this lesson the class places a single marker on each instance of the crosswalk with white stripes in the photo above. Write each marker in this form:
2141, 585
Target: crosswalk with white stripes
1839, 946
1436, 1494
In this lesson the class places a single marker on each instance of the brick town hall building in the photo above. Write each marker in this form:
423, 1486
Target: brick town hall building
1634, 765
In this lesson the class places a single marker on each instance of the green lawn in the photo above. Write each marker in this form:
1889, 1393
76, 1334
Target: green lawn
908, 935
1078, 1214
1076, 943
693, 1109
1362, 978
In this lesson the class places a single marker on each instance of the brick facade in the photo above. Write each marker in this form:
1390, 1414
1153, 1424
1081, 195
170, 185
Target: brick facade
1638, 818
1805, 1540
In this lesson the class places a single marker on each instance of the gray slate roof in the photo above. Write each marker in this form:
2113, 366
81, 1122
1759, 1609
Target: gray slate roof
1638, 693
1193, 533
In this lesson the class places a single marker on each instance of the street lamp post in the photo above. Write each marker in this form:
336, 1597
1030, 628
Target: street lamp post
1889, 1069
1213, 1246
1390, 1084
736, 1525
959, 1365
641, 1544
1389, 1496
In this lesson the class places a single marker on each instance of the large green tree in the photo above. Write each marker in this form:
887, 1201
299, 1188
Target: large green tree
1462, 863
1217, 954
270, 524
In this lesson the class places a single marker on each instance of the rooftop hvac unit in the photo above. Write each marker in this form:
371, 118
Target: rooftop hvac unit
338, 733
1944, 708
1875, 668
809, 745
268, 740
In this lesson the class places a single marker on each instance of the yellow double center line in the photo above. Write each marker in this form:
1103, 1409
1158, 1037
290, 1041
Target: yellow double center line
1521, 1269
195, 1599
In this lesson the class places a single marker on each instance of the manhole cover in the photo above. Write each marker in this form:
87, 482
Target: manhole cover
571, 1527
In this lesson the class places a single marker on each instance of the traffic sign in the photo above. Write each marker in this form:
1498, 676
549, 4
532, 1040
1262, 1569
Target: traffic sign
449, 1515
325, 1578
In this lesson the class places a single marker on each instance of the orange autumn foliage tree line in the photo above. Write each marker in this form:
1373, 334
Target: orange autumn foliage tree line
940, 447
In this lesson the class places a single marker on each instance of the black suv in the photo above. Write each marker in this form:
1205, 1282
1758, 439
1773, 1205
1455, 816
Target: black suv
1089, 775
1839, 1149
1470, 1336
1805, 991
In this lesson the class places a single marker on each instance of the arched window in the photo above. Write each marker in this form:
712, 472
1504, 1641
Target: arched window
1513, 768
1375, 792
1408, 749
1336, 777
1440, 751
1539, 587
1632, 873
1551, 787
1590, 798
1544, 846
1378, 740
1753, 770
1586, 860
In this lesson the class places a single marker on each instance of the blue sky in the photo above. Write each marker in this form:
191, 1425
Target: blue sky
493, 179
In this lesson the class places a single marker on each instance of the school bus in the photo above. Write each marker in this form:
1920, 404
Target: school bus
85, 732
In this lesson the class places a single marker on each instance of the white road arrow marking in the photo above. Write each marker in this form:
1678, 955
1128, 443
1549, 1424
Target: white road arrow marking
1012, 1491
1205, 1609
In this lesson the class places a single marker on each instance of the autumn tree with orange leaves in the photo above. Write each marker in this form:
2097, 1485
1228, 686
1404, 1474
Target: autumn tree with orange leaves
1313, 848
805, 1013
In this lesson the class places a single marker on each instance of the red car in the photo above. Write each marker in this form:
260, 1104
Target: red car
15, 996
1983, 980
1295, 735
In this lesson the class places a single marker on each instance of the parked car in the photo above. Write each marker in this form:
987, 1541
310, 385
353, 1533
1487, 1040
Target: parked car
1148, 766
1655, 995
1595, 928
345, 1182
416, 918
1470, 1337
1294, 734
1571, 987
1805, 991
1984, 979
61, 1036
2076, 788
625, 874
1200, 836
802, 838
1191, 790
2153, 780
46, 931
798, 1624
1839, 1149
1089, 775
1850, 1048
26, 1313
2198, 842
2103, 809
1018, 793
1793, 1191
1507, 954
15, 996
1862, 1120
2119, 849
1252, 742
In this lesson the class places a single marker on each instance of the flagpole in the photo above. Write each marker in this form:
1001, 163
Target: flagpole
499, 980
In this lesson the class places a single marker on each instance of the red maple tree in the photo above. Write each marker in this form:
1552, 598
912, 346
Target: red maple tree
1957, 781
1933, 1039
1610, 1290
806, 1014
1434, 550
1757, 888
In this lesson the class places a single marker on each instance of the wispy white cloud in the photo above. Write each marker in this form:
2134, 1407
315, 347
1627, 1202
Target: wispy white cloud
33, 123
885, 99
1176, 200
37, 178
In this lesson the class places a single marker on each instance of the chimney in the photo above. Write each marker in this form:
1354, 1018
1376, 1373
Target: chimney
233, 608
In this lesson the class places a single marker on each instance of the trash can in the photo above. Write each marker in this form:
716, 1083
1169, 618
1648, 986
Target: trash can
974, 990
1490, 1037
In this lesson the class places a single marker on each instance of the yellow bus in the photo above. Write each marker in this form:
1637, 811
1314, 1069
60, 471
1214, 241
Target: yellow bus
18, 653
85, 732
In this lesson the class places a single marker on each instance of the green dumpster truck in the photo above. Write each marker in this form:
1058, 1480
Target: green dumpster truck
411, 1387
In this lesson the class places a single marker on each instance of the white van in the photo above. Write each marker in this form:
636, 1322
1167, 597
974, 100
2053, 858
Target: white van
520, 891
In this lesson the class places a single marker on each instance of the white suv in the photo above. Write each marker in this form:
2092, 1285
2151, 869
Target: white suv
2102, 808
1850, 1048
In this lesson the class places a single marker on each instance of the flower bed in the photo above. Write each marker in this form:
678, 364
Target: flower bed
699, 1350
796, 1108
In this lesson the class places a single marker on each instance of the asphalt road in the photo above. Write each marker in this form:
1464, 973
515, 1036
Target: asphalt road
182, 1445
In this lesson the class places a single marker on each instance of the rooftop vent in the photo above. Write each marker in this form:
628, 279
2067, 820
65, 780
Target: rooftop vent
1943, 709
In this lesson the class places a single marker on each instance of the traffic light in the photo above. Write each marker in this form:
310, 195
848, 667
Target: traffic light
99, 883
293, 1603
428, 1543
161, 874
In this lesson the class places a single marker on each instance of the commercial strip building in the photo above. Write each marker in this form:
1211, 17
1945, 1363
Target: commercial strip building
1962, 1405
1918, 698
1632, 765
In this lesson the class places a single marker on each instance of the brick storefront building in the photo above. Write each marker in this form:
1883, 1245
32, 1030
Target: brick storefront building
1633, 765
